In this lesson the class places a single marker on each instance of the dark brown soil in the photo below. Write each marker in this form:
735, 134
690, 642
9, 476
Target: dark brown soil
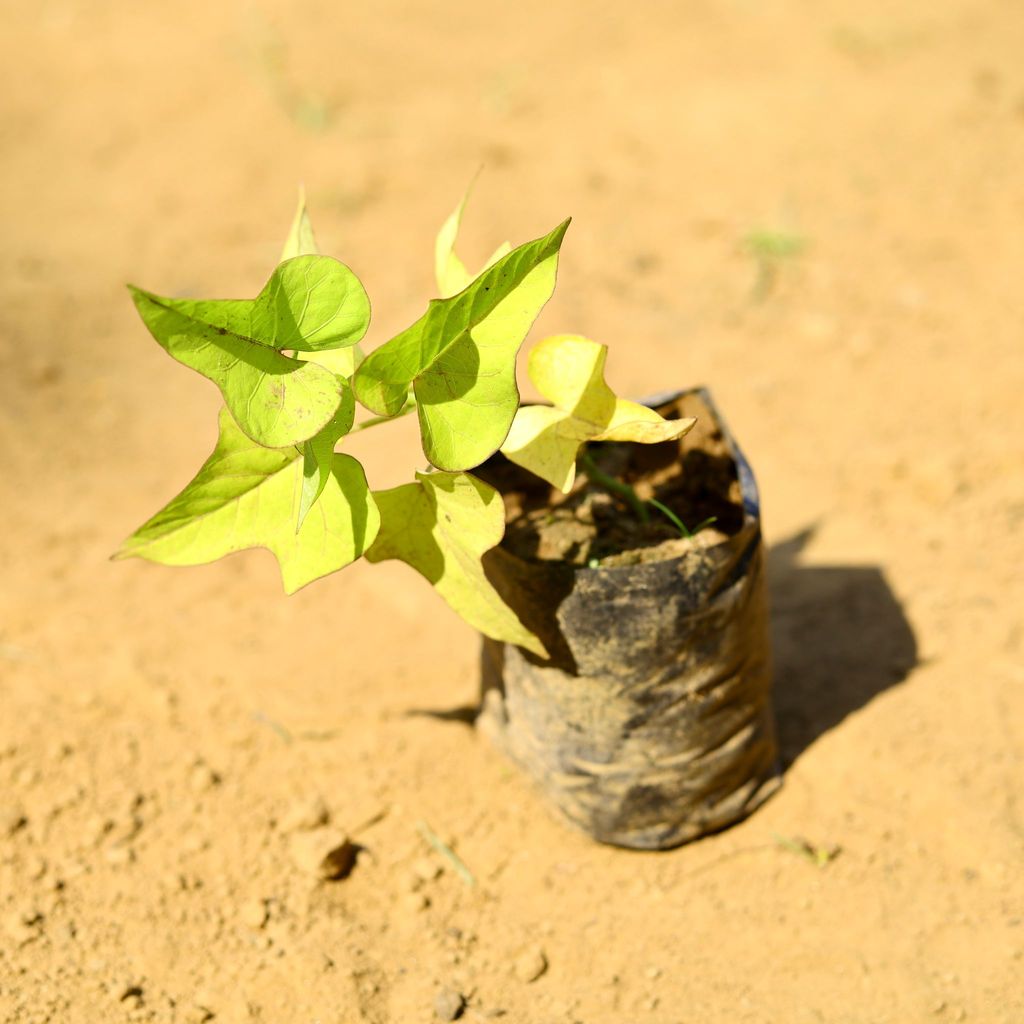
695, 478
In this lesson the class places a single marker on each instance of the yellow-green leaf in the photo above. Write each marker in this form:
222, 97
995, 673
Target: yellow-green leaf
459, 357
452, 275
247, 496
318, 453
568, 370
310, 303
342, 362
301, 241
441, 526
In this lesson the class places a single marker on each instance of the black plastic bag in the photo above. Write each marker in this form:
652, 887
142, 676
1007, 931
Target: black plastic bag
651, 724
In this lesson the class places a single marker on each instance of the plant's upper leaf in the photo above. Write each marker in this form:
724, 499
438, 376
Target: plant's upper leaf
308, 304
248, 496
441, 526
569, 371
459, 358
277, 400
301, 241
452, 275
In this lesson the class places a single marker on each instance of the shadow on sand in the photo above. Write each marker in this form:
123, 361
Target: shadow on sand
839, 638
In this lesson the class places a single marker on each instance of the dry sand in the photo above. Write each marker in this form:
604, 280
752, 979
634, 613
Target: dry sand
166, 734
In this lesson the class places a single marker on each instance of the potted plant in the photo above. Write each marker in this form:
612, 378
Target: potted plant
625, 651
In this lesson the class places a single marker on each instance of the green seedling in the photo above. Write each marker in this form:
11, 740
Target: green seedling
771, 249
678, 523
639, 507
820, 855
306, 108
295, 384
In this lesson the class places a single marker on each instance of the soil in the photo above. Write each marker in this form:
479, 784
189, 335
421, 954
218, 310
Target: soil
183, 751
598, 524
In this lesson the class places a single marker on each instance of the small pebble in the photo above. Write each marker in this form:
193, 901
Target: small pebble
202, 778
449, 1004
95, 829
425, 869
253, 913
305, 814
530, 964
26, 775
201, 1009
25, 925
118, 856
414, 902
195, 842
12, 818
324, 852
131, 995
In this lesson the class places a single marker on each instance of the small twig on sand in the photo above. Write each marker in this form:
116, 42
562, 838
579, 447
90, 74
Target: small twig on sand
446, 851
276, 726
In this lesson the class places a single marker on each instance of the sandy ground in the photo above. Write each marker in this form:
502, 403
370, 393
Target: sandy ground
165, 734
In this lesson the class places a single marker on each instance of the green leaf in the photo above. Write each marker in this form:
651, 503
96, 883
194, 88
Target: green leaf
340, 361
277, 400
309, 302
452, 275
301, 241
569, 371
248, 496
441, 526
459, 357
318, 453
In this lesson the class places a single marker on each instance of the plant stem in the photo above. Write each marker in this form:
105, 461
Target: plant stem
609, 483
376, 420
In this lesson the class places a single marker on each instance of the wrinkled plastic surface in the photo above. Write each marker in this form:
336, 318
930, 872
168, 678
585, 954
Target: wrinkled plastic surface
652, 723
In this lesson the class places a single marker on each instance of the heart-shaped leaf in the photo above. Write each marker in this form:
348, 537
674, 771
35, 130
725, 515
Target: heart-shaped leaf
441, 526
309, 303
569, 371
459, 358
248, 496
301, 241
277, 400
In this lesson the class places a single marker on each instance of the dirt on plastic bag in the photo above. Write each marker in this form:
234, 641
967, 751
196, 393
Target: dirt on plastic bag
651, 722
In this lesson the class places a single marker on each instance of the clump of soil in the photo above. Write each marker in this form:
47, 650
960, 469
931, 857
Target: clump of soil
695, 477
